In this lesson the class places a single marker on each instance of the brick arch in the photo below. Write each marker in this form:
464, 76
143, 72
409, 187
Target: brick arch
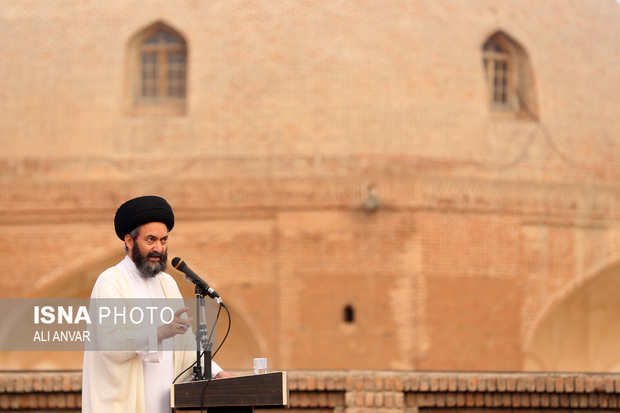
243, 344
76, 280
576, 329
612, 261
78, 276
245, 340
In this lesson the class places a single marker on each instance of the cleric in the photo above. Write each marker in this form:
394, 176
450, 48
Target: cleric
138, 380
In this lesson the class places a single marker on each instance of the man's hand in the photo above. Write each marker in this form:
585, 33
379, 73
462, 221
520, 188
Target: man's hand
222, 374
179, 325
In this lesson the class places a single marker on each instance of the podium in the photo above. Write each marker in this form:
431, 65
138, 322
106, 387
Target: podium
240, 394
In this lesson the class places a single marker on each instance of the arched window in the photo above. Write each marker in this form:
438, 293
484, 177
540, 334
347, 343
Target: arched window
500, 68
157, 71
162, 70
509, 76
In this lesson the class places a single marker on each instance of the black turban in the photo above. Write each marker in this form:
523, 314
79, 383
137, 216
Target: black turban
140, 211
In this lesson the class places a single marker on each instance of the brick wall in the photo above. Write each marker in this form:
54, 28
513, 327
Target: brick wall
487, 225
41, 391
449, 273
331, 79
371, 391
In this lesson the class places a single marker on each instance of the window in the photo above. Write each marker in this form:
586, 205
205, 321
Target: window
500, 69
508, 72
349, 314
157, 72
162, 74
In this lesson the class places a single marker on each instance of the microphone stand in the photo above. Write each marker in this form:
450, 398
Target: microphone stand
202, 340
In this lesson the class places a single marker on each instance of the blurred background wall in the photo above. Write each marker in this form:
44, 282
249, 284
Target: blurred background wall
400, 184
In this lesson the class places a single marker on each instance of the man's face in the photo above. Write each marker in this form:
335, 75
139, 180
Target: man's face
149, 251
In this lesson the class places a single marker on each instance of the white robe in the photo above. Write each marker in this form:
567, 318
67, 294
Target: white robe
116, 381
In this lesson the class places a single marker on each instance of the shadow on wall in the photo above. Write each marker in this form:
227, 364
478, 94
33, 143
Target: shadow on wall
582, 333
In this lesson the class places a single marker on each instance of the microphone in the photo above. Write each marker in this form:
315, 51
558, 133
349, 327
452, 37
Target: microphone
191, 276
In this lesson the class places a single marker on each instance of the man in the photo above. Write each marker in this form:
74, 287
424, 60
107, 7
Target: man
138, 380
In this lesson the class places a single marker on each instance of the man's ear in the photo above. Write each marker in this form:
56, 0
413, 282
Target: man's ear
128, 241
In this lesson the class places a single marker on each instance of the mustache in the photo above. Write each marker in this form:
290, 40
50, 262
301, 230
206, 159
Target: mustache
156, 254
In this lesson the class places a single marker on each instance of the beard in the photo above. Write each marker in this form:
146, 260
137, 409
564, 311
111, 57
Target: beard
143, 265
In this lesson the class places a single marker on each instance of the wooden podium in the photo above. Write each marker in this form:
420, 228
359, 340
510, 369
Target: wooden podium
240, 394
